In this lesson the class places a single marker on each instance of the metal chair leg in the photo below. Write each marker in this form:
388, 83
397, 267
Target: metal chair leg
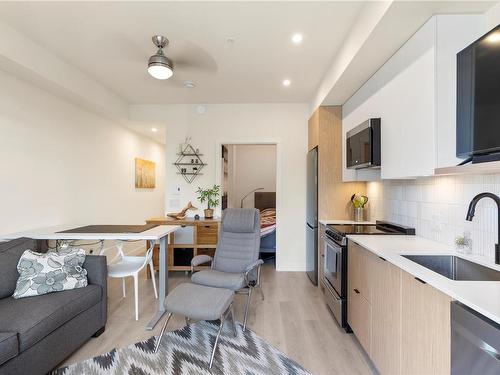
162, 332
261, 292
188, 321
222, 318
233, 321
247, 308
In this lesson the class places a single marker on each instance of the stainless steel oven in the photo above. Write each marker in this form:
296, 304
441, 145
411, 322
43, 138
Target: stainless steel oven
334, 278
333, 264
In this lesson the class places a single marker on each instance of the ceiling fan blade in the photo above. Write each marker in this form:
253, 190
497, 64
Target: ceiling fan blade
121, 46
187, 55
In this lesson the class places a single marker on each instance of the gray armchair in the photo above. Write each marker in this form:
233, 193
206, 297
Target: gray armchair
236, 264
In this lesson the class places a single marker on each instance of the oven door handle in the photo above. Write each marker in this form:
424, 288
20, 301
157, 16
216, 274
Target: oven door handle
334, 266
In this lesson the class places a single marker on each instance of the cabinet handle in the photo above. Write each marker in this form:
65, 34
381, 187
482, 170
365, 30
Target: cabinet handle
382, 259
207, 226
183, 226
357, 291
422, 281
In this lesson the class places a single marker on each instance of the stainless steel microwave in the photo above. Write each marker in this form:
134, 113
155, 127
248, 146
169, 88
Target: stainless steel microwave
363, 145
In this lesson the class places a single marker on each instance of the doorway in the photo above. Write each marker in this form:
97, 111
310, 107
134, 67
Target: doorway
248, 180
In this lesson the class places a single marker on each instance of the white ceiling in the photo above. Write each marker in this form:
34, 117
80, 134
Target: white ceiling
64, 43
111, 42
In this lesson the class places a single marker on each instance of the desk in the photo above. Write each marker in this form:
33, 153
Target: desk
157, 234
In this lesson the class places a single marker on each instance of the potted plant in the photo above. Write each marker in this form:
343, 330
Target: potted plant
359, 202
211, 196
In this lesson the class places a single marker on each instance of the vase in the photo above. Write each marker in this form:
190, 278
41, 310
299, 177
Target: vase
359, 214
209, 213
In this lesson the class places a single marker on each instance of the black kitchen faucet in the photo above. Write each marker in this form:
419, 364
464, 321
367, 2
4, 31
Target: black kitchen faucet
472, 210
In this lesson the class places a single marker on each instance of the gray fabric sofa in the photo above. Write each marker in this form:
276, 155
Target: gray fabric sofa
38, 333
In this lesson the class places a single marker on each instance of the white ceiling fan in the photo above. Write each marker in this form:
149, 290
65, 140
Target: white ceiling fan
187, 57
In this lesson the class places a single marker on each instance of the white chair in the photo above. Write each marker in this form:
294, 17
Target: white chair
131, 266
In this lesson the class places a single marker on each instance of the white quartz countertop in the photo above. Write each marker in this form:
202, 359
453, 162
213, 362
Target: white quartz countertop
337, 221
482, 296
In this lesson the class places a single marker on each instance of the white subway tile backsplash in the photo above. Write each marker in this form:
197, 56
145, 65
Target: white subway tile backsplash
436, 207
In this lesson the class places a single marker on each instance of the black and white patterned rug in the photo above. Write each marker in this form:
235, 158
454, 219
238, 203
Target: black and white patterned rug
187, 351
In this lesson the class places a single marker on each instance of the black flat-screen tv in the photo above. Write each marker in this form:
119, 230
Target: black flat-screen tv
478, 98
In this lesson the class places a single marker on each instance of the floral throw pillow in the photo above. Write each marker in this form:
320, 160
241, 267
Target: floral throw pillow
50, 272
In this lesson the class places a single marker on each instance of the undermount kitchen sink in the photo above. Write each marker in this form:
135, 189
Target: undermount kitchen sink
455, 268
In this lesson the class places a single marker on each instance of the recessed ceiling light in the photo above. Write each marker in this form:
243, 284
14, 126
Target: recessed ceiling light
189, 84
297, 38
154, 130
286, 82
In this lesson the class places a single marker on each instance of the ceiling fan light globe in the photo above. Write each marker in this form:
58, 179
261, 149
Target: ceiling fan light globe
160, 67
160, 71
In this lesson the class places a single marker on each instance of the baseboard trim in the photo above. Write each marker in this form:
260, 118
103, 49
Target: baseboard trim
291, 268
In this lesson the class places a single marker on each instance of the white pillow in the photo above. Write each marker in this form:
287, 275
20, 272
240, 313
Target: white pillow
42, 273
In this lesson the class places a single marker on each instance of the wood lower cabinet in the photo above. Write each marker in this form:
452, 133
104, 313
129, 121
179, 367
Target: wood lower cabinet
359, 308
386, 317
359, 312
402, 323
359, 263
425, 329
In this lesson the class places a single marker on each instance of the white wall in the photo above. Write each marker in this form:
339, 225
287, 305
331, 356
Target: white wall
284, 124
253, 166
62, 164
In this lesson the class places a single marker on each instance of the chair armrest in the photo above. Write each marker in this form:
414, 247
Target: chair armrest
254, 265
97, 274
252, 273
198, 260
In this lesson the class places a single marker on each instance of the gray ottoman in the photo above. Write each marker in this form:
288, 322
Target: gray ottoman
200, 302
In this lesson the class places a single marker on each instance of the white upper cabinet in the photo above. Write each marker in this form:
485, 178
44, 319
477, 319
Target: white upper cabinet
414, 94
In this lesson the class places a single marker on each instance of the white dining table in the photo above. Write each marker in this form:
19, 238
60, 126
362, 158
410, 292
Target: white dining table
158, 234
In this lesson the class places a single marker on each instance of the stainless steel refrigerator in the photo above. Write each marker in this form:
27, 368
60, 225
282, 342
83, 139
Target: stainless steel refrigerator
312, 216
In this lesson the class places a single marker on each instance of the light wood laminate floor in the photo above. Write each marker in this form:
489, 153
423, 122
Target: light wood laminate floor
293, 317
